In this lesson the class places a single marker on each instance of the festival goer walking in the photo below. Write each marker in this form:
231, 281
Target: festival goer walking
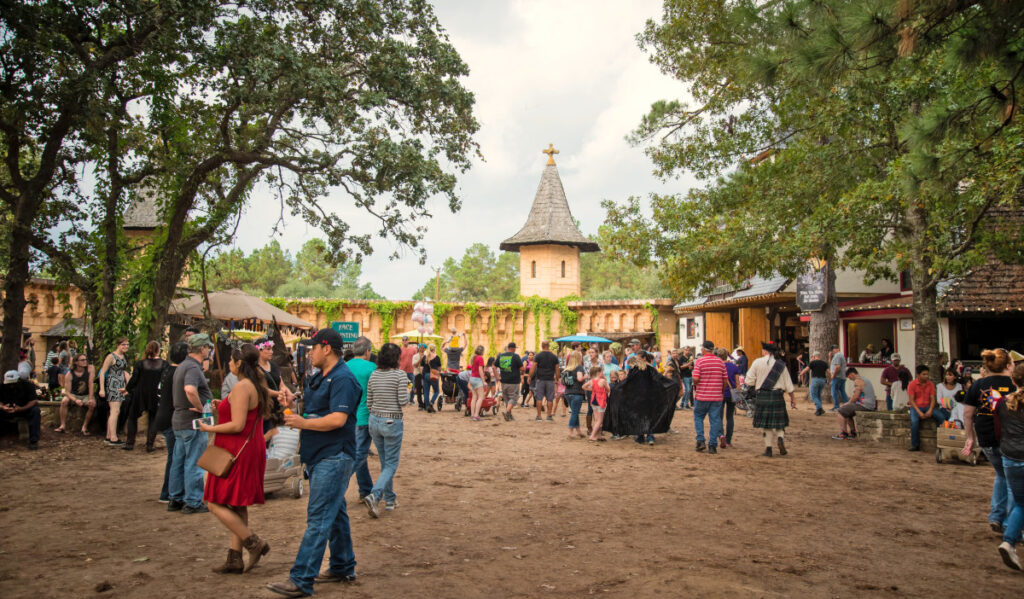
432, 378
191, 392
573, 378
980, 427
144, 396
78, 390
510, 365
1011, 448
405, 364
526, 391
728, 405
362, 368
327, 446
113, 383
476, 382
543, 373
769, 376
417, 374
818, 369
686, 363
164, 412
710, 379
384, 396
239, 418
837, 367
598, 387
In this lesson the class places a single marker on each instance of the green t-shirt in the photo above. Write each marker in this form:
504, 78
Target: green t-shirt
362, 369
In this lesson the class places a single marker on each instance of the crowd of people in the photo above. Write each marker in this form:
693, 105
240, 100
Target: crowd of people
344, 400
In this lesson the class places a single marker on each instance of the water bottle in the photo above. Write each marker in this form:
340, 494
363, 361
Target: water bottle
208, 412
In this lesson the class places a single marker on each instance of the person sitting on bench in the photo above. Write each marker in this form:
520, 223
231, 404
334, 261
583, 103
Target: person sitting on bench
921, 392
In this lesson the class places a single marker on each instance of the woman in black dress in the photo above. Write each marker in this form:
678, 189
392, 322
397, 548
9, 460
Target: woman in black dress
144, 396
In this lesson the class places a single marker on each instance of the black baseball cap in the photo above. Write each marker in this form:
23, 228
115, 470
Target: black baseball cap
328, 337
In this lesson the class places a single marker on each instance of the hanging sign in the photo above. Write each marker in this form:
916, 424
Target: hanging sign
811, 290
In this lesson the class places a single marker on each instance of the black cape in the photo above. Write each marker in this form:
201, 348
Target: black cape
642, 404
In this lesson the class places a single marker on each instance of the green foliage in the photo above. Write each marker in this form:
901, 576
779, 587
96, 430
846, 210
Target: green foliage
605, 275
478, 276
653, 311
387, 311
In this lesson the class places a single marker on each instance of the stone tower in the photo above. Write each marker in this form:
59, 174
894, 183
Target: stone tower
549, 244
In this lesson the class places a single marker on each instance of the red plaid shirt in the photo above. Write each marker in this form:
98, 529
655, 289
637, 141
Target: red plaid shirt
710, 378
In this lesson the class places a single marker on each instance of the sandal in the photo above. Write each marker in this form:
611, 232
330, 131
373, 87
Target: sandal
60, 429
86, 433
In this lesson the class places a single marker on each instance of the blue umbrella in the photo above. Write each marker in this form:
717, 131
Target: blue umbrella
582, 339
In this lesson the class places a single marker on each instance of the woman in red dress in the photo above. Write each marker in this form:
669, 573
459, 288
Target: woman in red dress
240, 432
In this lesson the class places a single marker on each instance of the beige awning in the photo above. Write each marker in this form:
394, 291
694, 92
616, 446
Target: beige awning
235, 304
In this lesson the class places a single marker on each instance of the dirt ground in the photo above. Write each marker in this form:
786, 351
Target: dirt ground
515, 509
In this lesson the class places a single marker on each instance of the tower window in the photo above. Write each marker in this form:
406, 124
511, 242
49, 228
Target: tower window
533, 269
563, 269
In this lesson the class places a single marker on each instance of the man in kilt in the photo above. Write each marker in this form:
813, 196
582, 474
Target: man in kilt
768, 375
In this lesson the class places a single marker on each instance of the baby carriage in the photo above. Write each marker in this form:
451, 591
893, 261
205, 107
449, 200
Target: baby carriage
284, 467
450, 390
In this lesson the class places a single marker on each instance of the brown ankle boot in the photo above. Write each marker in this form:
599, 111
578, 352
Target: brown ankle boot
234, 565
257, 548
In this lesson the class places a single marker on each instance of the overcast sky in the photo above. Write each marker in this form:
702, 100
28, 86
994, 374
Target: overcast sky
568, 73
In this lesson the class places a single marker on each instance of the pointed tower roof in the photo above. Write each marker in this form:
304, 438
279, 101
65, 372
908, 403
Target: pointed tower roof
550, 221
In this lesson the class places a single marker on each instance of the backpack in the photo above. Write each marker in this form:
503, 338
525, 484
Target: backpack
568, 377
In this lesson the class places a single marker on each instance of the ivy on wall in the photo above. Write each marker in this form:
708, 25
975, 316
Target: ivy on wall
653, 311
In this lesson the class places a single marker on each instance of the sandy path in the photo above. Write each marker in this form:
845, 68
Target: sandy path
515, 510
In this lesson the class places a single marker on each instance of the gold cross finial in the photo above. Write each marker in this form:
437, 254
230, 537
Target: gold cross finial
551, 151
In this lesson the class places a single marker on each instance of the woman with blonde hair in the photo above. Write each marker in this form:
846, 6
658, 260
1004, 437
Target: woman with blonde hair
241, 417
476, 381
980, 427
573, 376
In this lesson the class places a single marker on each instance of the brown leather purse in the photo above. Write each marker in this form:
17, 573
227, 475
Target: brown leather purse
219, 461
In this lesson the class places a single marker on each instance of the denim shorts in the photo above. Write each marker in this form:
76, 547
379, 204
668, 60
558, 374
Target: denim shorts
475, 382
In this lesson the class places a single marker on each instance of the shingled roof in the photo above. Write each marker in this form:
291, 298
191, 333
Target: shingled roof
993, 287
550, 221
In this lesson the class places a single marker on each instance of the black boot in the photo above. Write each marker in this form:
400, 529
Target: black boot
782, 447
767, 452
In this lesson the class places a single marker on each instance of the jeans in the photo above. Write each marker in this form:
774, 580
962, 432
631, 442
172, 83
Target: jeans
464, 386
687, 392
387, 438
839, 392
575, 403
361, 470
915, 424
1002, 502
729, 411
817, 386
34, 417
713, 410
168, 434
888, 399
1014, 472
326, 523
412, 390
435, 386
186, 481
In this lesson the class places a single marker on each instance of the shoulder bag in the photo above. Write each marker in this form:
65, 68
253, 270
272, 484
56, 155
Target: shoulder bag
219, 461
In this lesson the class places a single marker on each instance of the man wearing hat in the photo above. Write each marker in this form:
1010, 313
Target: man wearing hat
18, 399
710, 380
768, 375
190, 392
891, 374
327, 447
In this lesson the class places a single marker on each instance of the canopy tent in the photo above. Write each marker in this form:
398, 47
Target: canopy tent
71, 327
414, 334
582, 339
235, 304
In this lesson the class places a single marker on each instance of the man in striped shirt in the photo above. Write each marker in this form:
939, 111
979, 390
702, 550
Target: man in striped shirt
710, 379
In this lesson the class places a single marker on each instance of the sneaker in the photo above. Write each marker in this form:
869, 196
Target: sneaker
852, 436
113, 443
819, 412
700, 446
475, 419
914, 449
1009, 555
371, 506
551, 418
841, 437
162, 500
721, 441
511, 417
200, 509
996, 527
617, 437
539, 419
390, 507
174, 506
33, 446
712, 450
650, 441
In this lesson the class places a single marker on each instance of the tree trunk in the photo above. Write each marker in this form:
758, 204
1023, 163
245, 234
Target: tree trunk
164, 285
926, 324
825, 323
14, 292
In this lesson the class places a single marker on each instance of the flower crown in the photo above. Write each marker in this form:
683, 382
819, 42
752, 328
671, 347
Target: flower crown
265, 345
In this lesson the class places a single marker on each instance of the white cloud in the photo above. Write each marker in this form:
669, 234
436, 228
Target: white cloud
568, 73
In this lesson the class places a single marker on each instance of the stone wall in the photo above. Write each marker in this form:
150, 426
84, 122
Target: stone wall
893, 428
551, 271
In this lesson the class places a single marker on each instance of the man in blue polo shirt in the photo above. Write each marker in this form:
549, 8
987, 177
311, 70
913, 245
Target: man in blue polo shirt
327, 446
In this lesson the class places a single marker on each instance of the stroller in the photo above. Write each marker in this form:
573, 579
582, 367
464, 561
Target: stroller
284, 467
450, 390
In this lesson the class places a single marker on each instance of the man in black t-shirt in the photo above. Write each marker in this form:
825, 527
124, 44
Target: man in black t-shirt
510, 365
980, 426
545, 372
18, 399
818, 370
